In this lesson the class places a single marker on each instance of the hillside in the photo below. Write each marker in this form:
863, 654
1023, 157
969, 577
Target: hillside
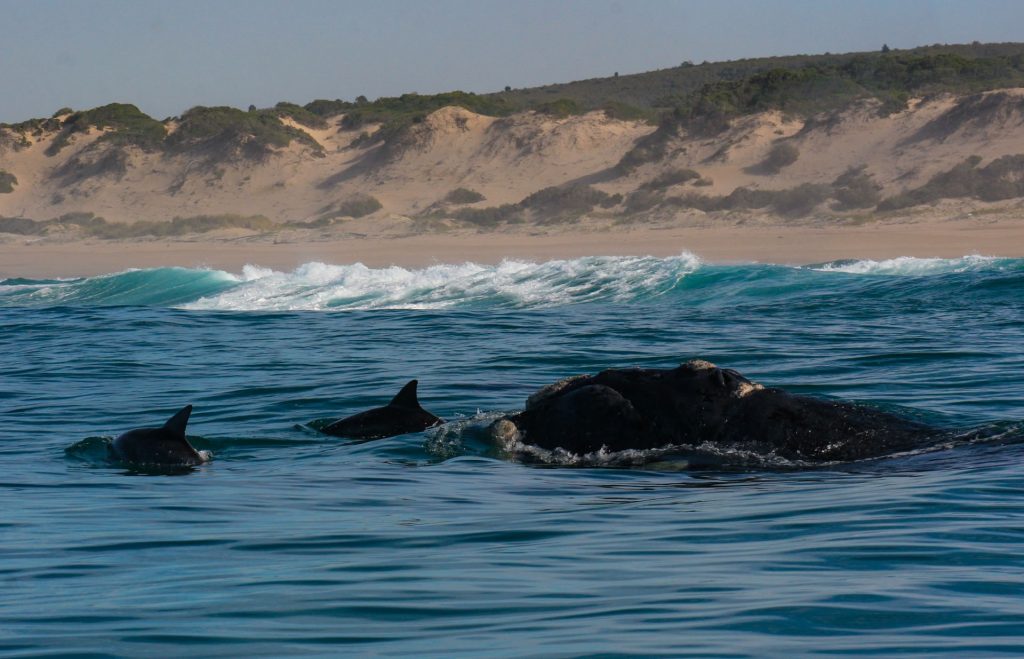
830, 138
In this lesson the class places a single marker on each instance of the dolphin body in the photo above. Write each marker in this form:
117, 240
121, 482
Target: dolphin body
165, 445
698, 404
402, 415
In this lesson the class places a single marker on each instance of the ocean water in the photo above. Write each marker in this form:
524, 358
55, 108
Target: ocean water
435, 543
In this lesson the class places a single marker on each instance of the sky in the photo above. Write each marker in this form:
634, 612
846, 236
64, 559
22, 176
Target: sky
166, 57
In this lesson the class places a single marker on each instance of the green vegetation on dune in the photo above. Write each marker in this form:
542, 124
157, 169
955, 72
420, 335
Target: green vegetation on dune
216, 129
222, 130
665, 88
90, 225
127, 124
300, 114
1001, 179
7, 182
357, 205
555, 204
398, 113
701, 98
463, 196
890, 78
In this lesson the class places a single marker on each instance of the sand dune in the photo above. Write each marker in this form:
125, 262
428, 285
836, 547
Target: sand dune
506, 160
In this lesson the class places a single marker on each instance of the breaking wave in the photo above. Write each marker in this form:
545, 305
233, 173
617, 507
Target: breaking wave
509, 284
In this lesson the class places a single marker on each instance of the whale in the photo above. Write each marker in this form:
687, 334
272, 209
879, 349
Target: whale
402, 415
699, 404
164, 445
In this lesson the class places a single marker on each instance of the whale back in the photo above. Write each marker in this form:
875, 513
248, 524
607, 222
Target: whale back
402, 415
166, 445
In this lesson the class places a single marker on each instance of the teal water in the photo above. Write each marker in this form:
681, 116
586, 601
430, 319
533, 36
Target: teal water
289, 542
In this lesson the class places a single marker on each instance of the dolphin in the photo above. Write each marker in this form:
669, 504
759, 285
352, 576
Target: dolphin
402, 415
165, 445
699, 404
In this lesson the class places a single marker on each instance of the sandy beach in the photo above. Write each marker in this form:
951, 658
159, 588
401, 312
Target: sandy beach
763, 244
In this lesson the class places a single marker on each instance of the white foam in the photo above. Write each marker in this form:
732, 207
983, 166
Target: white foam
910, 265
317, 286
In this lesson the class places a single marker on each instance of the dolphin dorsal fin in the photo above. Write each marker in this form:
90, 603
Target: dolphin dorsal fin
407, 396
176, 424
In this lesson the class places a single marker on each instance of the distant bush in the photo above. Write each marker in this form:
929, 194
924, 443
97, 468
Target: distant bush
561, 108
21, 226
649, 148
325, 108
626, 112
97, 227
28, 227
780, 156
358, 205
791, 202
128, 124
801, 200
1001, 179
566, 202
643, 199
179, 226
463, 196
299, 114
225, 131
855, 189
93, 162
489, 217
703, 182
669, 178
397, 114
549, 205
7, 182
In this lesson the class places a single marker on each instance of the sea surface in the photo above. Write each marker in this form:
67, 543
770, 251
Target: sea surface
436, 543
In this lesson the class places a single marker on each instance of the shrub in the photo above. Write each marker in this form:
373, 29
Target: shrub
179, 226
626, 112
7, 182
563, 201
226, 131
488, 217
463, 196
299, 114
669, 178
642, 200
649, 148
325, 108
358, 205
801, 200
1003, 178
552, 204
21, 226
397, 114
561, 108
792, 202
130, 126
780, 156
855, 188
93, 162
